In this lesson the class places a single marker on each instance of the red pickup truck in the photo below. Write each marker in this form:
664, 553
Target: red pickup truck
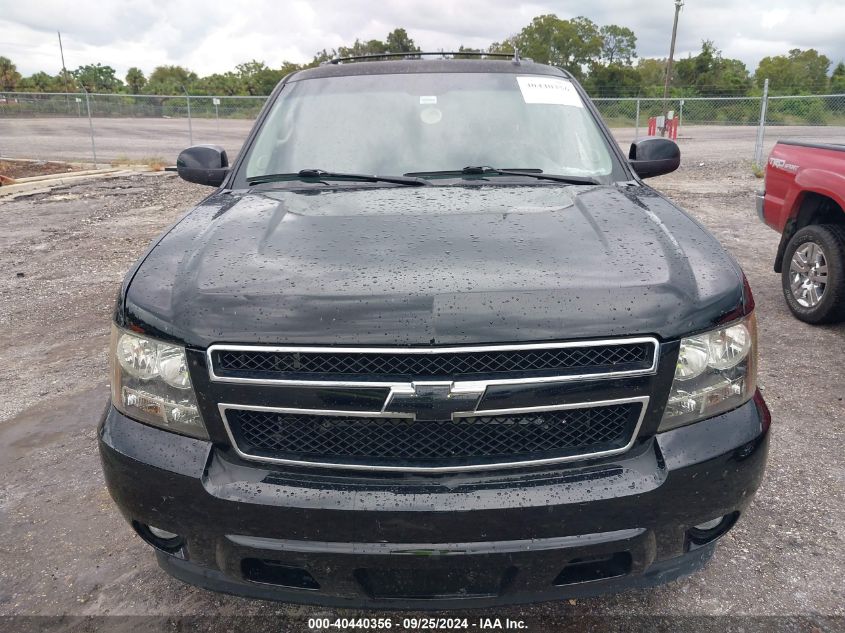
804, 200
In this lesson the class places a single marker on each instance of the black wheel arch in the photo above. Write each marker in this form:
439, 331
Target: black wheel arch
813, 208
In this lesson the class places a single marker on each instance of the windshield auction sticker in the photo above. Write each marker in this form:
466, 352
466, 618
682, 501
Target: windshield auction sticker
549, 90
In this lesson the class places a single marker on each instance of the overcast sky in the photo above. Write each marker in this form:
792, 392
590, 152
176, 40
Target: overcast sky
215, 35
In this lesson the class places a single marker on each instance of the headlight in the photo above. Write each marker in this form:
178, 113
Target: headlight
716, 372
151, 383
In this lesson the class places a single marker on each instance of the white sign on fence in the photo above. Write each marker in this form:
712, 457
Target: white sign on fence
215, 101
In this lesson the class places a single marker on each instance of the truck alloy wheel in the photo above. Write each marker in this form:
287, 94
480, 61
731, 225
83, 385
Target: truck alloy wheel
813, 276
808, 274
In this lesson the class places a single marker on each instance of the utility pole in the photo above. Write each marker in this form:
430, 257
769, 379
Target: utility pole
64, 70
678, 5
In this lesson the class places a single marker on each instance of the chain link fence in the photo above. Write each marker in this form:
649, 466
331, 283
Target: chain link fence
117, 127
752, 124
634, 112
49, 104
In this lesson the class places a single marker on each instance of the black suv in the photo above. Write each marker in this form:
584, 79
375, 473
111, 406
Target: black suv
431, 341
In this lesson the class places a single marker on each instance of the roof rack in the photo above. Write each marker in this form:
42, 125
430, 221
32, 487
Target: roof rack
417, 54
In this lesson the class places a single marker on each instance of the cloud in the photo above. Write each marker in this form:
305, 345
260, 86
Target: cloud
215, 35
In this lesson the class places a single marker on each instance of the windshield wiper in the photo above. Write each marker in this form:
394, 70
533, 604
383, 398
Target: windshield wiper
485, 170
319, 174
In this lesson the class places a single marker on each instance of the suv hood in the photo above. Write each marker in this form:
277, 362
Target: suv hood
433, 265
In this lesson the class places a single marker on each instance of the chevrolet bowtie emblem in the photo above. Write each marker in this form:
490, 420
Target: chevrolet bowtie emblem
433, 401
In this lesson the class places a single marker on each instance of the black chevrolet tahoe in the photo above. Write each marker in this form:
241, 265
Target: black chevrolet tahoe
432, 342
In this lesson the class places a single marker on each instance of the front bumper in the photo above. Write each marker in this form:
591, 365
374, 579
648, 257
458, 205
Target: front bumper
459, 540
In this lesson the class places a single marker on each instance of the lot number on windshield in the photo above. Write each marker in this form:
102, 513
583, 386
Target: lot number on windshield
549, 90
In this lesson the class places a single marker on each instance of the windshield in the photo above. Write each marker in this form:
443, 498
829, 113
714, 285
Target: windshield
429, 122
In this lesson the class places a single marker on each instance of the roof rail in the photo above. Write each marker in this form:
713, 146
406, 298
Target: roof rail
417, 54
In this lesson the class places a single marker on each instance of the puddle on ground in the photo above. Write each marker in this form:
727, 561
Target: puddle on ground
47, 422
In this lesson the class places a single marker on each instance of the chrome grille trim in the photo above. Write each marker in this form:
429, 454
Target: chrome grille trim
458, 385
643, 400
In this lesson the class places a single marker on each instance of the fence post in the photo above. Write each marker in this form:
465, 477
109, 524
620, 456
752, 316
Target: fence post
190, 129
680, 113
761, 129
90, 126
637, 122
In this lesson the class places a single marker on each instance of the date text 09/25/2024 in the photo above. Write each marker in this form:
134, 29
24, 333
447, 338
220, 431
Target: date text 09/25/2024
417, 624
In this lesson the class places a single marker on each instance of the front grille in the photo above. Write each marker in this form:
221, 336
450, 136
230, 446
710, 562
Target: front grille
398, 363
404, 442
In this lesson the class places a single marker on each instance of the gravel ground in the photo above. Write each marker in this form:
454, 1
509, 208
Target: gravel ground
143, 139
65, 550
138, 138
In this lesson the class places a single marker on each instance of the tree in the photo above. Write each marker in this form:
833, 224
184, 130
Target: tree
97, 78
698, 70
358, 48
733, 78
289, 67
9, 75
257, 78
505, 46
470, 53
798, 72
398, 41
812, 67
43, 82
652, 72
169, 80
570, 44
321, 57
618, 45
708, 73
222, 84
614, 80
135, 80
837, 79
612, 73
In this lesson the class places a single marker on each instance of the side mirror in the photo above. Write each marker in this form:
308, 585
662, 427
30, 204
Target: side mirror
203, 164
654, 156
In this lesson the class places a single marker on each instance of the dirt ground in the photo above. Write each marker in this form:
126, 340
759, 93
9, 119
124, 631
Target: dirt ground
65, 550
26, 168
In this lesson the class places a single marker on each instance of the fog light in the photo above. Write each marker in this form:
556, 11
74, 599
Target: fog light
161, 539
164, 534
709, 531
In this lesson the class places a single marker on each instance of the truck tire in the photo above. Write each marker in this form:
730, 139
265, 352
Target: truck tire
813, 273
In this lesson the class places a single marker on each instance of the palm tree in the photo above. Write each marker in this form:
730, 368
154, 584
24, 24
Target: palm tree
135, 80
9, 75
